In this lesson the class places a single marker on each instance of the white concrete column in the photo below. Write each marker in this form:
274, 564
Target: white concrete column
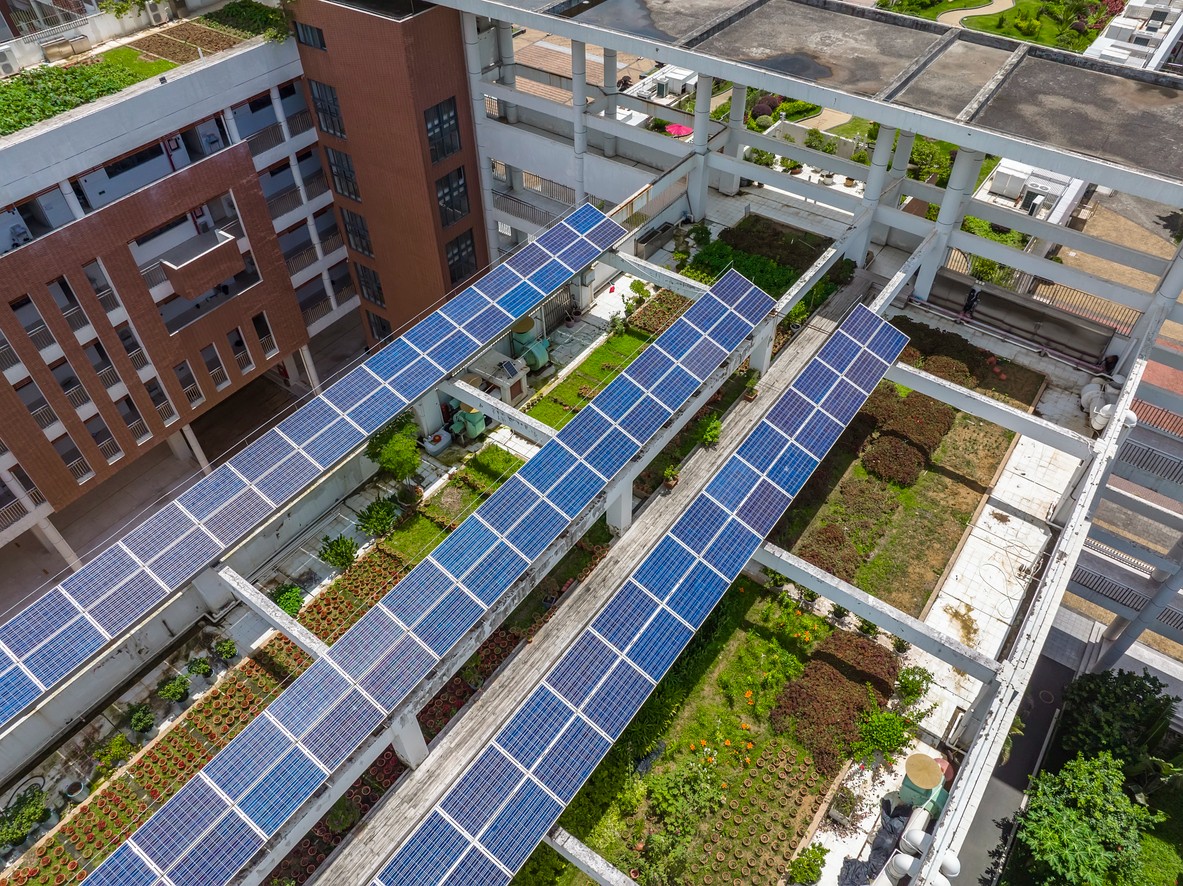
620, 509
297, 177
585, 289
960, 187
610, 93
231, 125
71, 199
289, 365
700, 175
195, 446
310, 368
578, 114
280, 116
327, 281
408, 743
902, 155
472, 63
428, 414
880, 157
53, 542
178, 446
310, 223
509, 75
728, 182
761, 357
513, 177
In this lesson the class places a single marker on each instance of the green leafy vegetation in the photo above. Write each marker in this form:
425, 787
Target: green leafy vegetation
378, 517
338, 552
199, 667
288, 597
806, 868
246, 18
226, 649
25, 812
141, 718
111, 754
174, 689
929, 9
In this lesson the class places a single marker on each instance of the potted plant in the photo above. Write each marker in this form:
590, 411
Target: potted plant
850, 182
843, 805
749, 386
199, 668
226, 649
670, 476
174, 689
21, 817
142, 719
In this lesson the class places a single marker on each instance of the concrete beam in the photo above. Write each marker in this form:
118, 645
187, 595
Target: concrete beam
918, 66
655, 274
263, 607
992, 410
1138, 552
1143, 508
585, 858
1167, 357
900, 279
1160, 397
916, 632
806, 190
406, 738
991, 87
530, 428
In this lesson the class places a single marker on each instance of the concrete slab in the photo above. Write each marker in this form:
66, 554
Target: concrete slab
658, 19
952, 80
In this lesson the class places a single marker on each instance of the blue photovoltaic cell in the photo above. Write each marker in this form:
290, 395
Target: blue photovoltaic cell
158, 532
572, 760
706, 312
475, 869
182, 561
487, 323
730, 331
557, 239
618, 699
584, 218
271, 801
699, 523
618, 398
448, 621
459, 551
580, 668
789, 412
763, 508
731, 287
649, 367
605, 234
611, 454
179, 822
378, 409
528, 259
520, 299
550, 276
123, 868
646, 416
392, 358
328, 447
102, 573
508, 505
762, 446
215, 490
659, 644
247, 757
341, 731
413, 596
453, 350
36, 622
415, 379
356, 651
663, 568
218, 855
679, 338
839, 351
844, 401
486, 784
675, 388
619, 621
127, 604
288, 477
819, 434
260, 456
887, 343
861, 323
867, 371
352, 388
497, 282
730, 552
516, 830
238, 517
704, 358
792, 469
397, 671
310, 695
429, 331
538, 530
548, 464
815, 382
496, 571
533, 726
697, 595
584, 430
579, 255
16, 691
732, 483
573, 493
755, 306
427, 855
464, 305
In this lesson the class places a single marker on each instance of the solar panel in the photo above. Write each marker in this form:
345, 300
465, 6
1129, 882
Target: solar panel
158, 532
732, 548
763, 507
237, 517
508, 505
579, 255
550, 276
488, 323
313, 693
124, 868
497, 282
356, 385
697, 594
271, 801
705, 313
180, 562
838, 351
394, 357
60, 653
215, 490
376, 410
612, 453
535, 724
288, 477
374, 633
585, 218
478, 793
413, 596
604, 234
557, 239
646, 416
658, 574
17, 689
861, 324
541, 527
528, 259
127, 603
844, 401
704, 358
260, 456
427, 855
730, 331
731, 483
517, 828
628, 610
465, 305
459, 552
476, 869
252, 752
578, 672
520, 299
614, 703
545, 468
427, 332
659, 644
572, 760
397, 671
29, 628
222, 851
818, 434
866, 371
454, 349
675, 388
575, 491
329, 446
448, 621
344, 728
815, 382
178, 823
698, 525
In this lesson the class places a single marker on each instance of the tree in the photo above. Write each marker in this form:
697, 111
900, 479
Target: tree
1080, 828
1121, 712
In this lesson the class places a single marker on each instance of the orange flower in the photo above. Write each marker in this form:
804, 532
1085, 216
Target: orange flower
748, 694
744, 726
710, 759
747, 759
727, 742
751, 702
724, 785
750, 745
704, 742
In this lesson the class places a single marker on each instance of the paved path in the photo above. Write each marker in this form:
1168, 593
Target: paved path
827, 119
955, 16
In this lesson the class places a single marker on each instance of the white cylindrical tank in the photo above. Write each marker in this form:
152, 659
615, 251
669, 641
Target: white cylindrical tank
915, 842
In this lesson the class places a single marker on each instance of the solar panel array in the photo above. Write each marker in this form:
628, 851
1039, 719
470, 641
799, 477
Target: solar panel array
47, 640
251, 787
493, 816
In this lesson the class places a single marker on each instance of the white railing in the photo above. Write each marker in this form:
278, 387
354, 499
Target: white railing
518, 208
268, 343
44, 416
35, 496
316, 184
218, 374
80, 468
298, 261
312, 313
110, 449
8, 357
284, 202
40, 336
109, 377
330, 243
265, 139
243, 359
109, 300
12, 513
138, 429
77, 396
153, 274
76, 317
301, 121
166, 412
193, 394
138, 358
233, 228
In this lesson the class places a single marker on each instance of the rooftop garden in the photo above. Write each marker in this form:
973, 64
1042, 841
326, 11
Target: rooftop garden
1071, 25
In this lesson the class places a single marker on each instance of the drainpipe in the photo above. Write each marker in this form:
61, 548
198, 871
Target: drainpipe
610, 93
472, 61
579, 112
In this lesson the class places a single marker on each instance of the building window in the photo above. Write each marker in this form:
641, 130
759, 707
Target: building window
358, 232
328, 108
310, 36
452, 193
379, 327
371, 286
443, 130
461, 256
344, 175
131, 161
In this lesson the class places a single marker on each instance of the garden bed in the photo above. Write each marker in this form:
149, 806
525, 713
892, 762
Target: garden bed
208, 39
167, 48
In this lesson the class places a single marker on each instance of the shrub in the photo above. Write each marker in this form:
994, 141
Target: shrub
762, 158
640, 290
199, 667
709, 430
882, 732
40, 93
819, 142
342, 816
1121, 712
25, 812
900, 645
921, 420
378, 517
700, 234
839, 613
288, 597
339, 552
808, 597
868, 628
112, 753
399, 457
912, 684
806, 868
764, 121
950, 369
226, 649
861, 156
175, 688
248, 18
829, 548
141, 718
893, 460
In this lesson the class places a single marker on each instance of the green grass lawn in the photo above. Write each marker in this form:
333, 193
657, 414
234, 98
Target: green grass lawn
939, 9
855, 127
129, 58
1048, 31
1160, 861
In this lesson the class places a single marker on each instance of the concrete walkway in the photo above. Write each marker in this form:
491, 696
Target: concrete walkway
827, 119
956, 16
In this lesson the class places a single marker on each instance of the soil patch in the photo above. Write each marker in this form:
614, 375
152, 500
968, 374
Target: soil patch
166, 47
207, 38
785, 245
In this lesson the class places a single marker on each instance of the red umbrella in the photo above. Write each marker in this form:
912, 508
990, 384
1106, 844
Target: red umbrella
678, 130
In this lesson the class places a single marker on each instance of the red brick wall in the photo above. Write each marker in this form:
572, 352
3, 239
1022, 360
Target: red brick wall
105, 234
387, 73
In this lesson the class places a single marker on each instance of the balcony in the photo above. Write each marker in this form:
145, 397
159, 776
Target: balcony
79, 467
179, 312
331, 241
316, 184
343, 289
43, 414
243, 359
284, 202
265, 139
138, 358
193, 394
109, 377
8, 357
76, 318
40, 336
300, 258
138, 429
109, 301
166, 412
110, 449
12, 513
218, 374
301, 121
270, 348
317, 309
189, 266
77, 395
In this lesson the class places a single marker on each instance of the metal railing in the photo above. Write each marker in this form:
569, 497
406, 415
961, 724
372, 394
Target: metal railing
138, 358
11, 513
44, 416
552, 190
80, 468
1083, 304
41, 337
300, 259
109, 300
138, 429
1120, 556
1158, 418
76, 318
233, 228
301, 121
218, 374
110, 449
166, 412
316, 184
243, 359
492, 107
1108, 588
643, 206
268, 344
77, 395
284, 202
8, 357
265, 139
1151, 460
193, 394
521, 209
35, 496
344, 289
153, 274
109, 377
330, 243
3, 448
314, 312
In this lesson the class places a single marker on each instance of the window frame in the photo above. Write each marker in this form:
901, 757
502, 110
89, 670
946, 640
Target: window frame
343, 173
460, 255
451, 193
357, 232
327, 107
317, 35
442, 123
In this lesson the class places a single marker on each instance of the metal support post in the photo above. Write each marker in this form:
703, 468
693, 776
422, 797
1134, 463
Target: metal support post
960, 188
579, 115
610, 93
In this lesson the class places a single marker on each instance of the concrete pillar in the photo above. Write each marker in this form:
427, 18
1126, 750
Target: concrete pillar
729, 183
579, 114
513, 177
298, 177
310, 223
327, 282
406, 739
226, 581
700, 175
310, 368
598, 868
472, 64
620, 509
71, 199
428, 413
901, 157
231, 125
877, 175
585, 289
277, 104
509, 75
52, 541
178, 446
961, 182
761, 356
289, 365
1122, 632
194, 445
610, 93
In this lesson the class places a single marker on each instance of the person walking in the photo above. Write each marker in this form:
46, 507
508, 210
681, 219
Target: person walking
971, 303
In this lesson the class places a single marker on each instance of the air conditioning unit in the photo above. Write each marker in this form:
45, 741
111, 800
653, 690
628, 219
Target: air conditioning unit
8, 63
155, 13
